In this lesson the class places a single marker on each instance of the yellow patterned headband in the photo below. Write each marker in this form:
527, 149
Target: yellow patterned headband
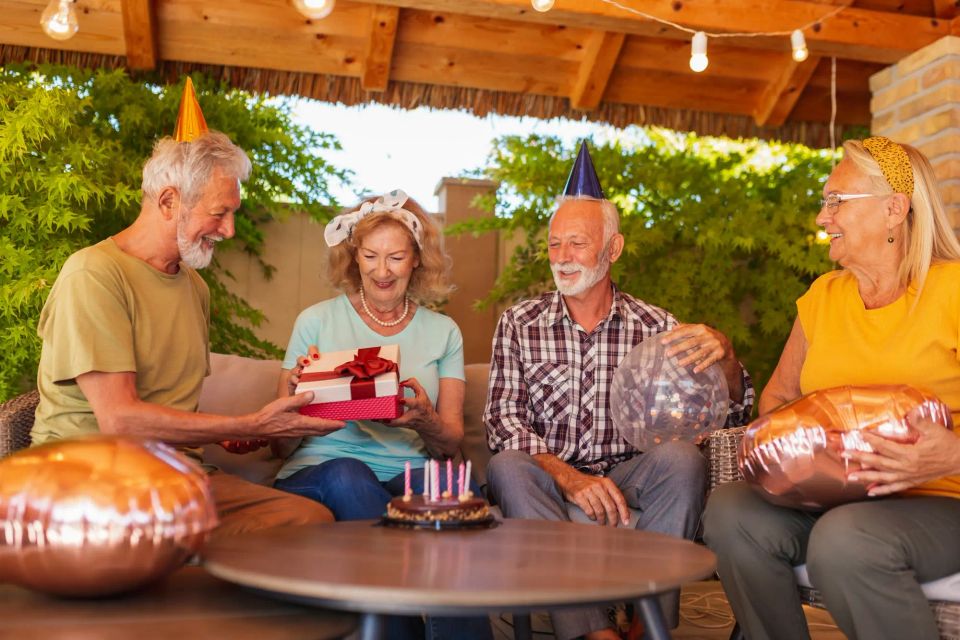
894, 163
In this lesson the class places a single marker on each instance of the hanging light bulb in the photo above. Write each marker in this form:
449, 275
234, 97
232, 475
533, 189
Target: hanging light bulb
799, 45
314, 9
698, 52
59, 20
542, 5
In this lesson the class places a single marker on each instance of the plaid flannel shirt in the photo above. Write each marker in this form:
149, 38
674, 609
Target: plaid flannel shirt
550, 381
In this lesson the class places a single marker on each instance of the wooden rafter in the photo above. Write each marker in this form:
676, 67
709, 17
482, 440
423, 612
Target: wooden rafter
860, 34
776, 103
600, 56
946, 9
140, 33
378, 53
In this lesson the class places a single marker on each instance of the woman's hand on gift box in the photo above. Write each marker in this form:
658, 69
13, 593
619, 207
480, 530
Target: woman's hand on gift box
243, 446
302, 362
418, 410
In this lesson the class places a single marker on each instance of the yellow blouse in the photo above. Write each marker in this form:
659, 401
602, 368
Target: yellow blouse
848, 344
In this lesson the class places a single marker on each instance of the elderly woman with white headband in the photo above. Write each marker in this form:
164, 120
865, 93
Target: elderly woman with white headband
387, 259
891, 315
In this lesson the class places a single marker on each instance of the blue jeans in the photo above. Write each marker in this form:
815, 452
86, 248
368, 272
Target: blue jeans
351, 490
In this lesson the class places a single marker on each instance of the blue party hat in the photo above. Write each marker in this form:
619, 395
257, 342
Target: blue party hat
583, 181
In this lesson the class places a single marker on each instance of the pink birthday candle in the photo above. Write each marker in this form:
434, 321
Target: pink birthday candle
406, 479
460, 484
426, 479
435, 489
466, 479
449, 477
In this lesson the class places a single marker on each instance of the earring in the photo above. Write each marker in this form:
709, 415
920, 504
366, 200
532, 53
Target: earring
890, 239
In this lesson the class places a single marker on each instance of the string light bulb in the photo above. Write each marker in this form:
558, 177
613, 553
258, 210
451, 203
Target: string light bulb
799, 45
59, 20
314, 9
542, 5
698, 52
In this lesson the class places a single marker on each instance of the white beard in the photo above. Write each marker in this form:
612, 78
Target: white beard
194, 254
588, 276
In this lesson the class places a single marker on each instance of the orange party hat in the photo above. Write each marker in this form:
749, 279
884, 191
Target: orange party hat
190, 122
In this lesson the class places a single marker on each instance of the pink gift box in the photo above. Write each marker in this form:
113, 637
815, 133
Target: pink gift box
345, 396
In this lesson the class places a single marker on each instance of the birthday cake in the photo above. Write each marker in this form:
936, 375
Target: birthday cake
456, 507
450, 511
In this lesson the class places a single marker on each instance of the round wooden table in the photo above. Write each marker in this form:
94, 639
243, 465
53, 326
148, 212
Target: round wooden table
518, 566
190, 604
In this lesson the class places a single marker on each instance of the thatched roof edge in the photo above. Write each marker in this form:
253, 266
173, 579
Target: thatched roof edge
406, 95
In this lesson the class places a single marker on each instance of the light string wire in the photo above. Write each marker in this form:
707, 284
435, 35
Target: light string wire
711, 34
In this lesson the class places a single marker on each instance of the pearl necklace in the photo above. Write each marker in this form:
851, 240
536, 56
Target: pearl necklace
392, 323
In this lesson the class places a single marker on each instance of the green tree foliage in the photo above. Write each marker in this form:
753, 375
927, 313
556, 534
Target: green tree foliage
717, 231
72, 146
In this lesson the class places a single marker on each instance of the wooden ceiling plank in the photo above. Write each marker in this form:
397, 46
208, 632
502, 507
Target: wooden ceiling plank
493, 35
140, 33
672, 91
945, 9
472, 69
100, 31
600, 56
859, 34
378, 53
776, 103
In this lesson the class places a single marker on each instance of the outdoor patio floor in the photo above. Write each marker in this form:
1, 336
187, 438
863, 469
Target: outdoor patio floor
704, 615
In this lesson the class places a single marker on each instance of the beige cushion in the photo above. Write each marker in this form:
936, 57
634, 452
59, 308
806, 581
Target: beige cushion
236, 386
474, 446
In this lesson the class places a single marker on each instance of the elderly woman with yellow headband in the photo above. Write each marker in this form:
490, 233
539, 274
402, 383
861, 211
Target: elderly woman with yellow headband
387, 259
891, 314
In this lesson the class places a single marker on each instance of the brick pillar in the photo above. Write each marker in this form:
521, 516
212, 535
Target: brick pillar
475, 265
917, 101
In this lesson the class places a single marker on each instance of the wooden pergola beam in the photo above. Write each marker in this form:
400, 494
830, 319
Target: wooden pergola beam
378, 53
600, 57
140, 33
853, 33
776, 103
946, 9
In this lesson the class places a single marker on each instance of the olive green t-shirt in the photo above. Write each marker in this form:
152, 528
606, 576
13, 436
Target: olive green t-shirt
111, 312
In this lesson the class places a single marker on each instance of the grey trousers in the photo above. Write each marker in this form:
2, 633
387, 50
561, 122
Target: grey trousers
667, 484
866, 558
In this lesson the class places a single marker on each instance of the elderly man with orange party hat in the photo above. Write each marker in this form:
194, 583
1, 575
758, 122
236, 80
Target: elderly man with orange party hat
548, 410
125, 327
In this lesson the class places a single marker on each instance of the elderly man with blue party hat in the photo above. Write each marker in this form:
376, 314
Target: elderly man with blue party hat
548, 409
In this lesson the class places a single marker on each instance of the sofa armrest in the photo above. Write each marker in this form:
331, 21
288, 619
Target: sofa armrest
721, 449
16, 422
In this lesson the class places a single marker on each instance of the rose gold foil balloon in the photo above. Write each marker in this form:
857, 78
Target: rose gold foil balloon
792, 455
99, 515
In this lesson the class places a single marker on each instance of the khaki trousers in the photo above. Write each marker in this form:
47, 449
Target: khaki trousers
245, 506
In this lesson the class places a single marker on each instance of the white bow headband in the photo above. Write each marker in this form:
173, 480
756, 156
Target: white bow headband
341, 227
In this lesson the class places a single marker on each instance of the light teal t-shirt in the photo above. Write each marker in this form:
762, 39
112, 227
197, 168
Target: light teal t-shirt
431, 347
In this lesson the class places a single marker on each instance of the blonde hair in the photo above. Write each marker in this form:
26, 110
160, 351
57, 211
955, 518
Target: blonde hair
927, 233
430, 282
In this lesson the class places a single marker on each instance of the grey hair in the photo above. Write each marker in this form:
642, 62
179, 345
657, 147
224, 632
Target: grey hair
611, 217
188, 166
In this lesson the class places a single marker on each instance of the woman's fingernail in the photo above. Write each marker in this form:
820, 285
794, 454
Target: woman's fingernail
853, 477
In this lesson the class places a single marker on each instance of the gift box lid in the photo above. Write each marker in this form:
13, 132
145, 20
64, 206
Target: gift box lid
338, 389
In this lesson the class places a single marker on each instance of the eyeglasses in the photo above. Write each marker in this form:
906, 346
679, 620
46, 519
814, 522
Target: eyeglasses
833, 200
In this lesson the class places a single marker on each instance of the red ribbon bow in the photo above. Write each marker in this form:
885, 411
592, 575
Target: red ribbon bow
364, 367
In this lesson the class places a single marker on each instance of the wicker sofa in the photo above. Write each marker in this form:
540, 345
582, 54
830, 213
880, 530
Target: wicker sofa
239, 385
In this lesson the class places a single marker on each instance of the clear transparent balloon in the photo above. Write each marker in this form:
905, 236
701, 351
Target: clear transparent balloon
655, 400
